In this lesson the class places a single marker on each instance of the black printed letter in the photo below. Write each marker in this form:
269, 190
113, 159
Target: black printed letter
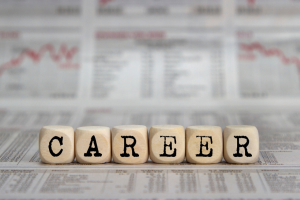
206, 145
95, 148
50, 146
129, 145
238, 154
168, 145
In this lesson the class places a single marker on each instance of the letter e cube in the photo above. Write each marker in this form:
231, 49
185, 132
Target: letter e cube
167, 143
204, 144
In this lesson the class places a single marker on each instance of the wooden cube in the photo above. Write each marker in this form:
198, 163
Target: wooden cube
93, 144
167, 143
241, 144
130, 144
56, 144
204, 144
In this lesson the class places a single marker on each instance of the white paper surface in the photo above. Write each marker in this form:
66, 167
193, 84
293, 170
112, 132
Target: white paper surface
274, 176
162, 53
113, 62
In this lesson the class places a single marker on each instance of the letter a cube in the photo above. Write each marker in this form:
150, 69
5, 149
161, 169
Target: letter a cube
56, 144
204, 144
130, 144
241, 144
93, 144
167, 143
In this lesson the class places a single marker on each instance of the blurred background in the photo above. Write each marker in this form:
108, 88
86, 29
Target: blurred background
113, 62
150, 62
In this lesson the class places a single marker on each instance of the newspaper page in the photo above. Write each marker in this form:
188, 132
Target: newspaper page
24, 176
148, 62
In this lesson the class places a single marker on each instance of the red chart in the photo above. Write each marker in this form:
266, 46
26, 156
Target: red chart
39, 69
269, 68
268, 52
62, 57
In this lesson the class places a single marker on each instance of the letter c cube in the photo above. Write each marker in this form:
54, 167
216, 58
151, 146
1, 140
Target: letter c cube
56, 144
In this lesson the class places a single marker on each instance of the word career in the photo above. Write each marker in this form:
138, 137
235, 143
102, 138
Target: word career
131, 144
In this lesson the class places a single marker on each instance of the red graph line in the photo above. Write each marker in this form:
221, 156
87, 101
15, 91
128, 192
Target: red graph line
251, 2
255, 46
104, 2
63, 54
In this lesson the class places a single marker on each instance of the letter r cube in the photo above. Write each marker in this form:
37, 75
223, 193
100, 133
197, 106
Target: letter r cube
130, 144
241, 144
167, 143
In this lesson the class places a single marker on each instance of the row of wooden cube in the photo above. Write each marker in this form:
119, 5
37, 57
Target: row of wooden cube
131, 144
